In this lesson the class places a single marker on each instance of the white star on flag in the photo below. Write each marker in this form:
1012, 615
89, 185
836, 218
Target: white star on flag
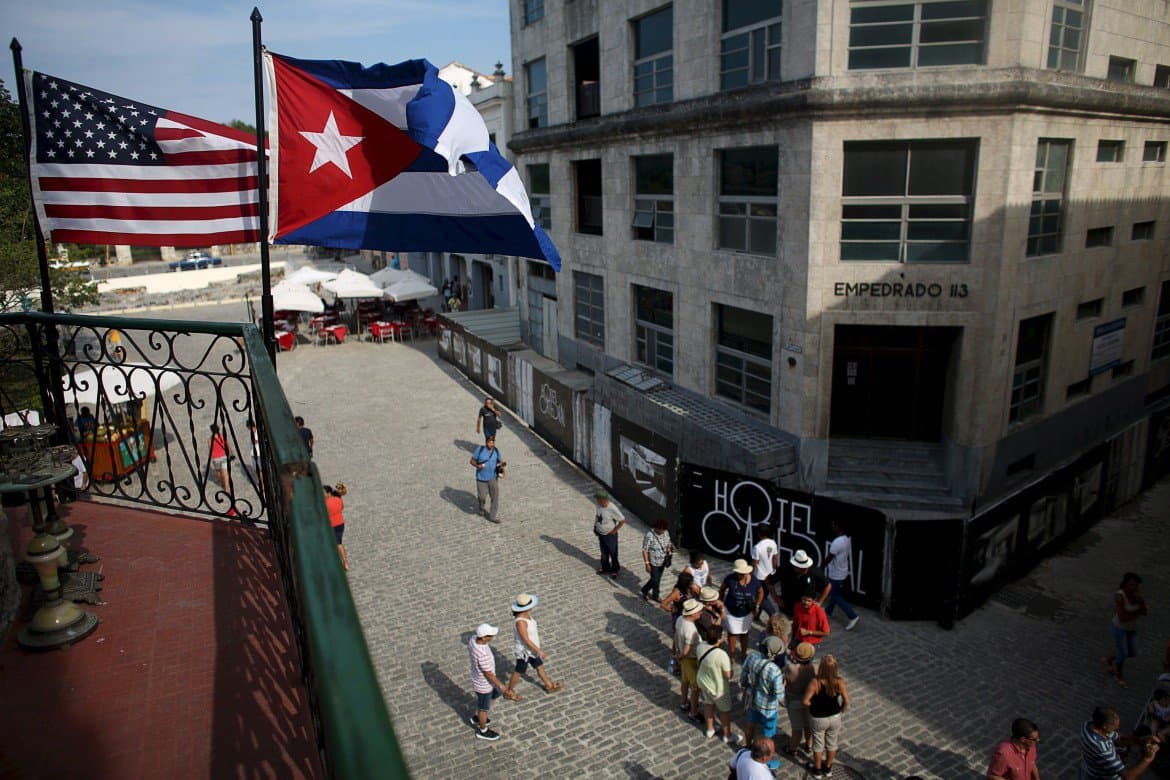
332, 146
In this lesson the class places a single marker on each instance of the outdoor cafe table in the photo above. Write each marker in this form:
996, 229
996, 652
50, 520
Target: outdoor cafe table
335, 333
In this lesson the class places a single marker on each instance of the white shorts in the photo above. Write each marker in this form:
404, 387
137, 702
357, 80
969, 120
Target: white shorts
737, 625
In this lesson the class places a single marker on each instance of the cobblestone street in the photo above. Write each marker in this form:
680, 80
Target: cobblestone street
397, 426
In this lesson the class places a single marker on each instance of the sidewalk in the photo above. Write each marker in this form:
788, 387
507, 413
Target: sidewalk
397, 426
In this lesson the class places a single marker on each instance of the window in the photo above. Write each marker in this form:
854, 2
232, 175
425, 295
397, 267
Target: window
743, 357
1110, 151
1121, 70
750, 48
654, 328
1048, 181
1090, 308
589, 303
536, 77
1080, 388
748, 187
1154, 151
539, 195
653, 60
1100, 236
1028, 375
654, 198
1142, 231
587, 174
1066, 35
916, 35
533, 11
1162, 325
908, 201
1162, 76
1133, 297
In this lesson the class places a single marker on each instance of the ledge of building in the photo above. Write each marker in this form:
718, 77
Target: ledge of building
707, 433
901, 94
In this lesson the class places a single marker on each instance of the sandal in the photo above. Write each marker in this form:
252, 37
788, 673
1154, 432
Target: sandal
554, 687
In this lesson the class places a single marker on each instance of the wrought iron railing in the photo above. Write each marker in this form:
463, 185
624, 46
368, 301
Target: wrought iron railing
153, 388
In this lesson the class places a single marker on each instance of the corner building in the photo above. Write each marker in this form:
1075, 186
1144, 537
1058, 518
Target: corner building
924, 244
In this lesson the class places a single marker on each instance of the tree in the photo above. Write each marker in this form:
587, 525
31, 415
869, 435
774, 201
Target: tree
20, 275
242, 126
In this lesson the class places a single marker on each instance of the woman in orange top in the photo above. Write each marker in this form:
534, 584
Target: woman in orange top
335, 507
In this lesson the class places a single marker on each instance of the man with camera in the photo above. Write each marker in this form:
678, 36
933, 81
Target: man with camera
489, 469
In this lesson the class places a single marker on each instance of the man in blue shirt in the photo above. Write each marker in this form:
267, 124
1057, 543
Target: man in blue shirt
488, 470
1099, 741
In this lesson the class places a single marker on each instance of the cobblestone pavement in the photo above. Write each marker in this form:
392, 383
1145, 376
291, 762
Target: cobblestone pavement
397, 426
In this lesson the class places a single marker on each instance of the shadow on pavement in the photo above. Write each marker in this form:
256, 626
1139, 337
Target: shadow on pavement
463, 500
655, 687
572, 550
465, 445
637, 772
628, 628
653, 615
456, 697
938, 761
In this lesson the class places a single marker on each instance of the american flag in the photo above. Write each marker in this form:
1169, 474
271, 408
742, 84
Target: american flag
107, 170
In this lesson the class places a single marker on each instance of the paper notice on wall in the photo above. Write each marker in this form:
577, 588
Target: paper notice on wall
1108, 346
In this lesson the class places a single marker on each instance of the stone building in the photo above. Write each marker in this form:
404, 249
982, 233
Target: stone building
920, 246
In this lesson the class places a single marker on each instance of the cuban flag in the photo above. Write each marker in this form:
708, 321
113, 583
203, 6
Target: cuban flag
390, 157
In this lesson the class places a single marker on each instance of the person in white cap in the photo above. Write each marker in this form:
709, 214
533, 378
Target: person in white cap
526, 643
484, 681
800, 576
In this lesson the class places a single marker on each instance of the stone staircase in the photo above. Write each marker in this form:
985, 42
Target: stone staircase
904, 478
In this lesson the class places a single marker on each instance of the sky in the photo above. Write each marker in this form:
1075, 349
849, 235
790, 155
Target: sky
196, 57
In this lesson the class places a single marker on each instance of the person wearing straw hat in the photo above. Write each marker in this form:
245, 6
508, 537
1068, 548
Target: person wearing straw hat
686, 642
484, 682
712, 608
526, 643
798, 674
741, 595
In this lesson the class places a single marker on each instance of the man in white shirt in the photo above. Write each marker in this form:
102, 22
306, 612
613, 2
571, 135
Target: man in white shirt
766, 559
606, 524
752, 763
840, 557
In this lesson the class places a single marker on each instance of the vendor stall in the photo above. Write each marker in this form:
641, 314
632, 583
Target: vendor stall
121, 439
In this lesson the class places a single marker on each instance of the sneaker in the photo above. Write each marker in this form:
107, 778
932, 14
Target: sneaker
488, 734
826, 771
497, 522
474, 721
710, 733
731, 739
852, 624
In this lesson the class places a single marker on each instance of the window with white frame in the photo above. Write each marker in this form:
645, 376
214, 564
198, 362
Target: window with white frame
1066, 37
540, 195
536, 79
748, 190
908, 201
1030, 368
533, 11
1049, 178
589, 308
922, 34
1162, 325
749, 50
743, 357
654, 328
654, 58
654, 198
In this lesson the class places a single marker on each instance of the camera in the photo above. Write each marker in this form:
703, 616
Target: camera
500, 468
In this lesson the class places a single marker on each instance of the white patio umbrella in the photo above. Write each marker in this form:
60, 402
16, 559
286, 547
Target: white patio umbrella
307, 274
389, 277
351, 284
81, 387
290, 296
410, 290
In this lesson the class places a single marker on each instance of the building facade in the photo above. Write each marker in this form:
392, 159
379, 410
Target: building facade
927, 242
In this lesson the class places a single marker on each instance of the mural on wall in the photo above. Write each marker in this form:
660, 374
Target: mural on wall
495, 376
726, 514
445, 342
457, 349
600, 452
1007, 539
553, 411
474, 359
644, 469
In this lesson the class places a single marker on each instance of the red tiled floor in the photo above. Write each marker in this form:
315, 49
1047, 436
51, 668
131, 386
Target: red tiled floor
192, 672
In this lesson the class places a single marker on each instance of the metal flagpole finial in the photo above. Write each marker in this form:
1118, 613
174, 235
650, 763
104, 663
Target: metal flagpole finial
15, 46
256, 17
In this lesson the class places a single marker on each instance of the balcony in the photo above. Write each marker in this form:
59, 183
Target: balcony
214, 656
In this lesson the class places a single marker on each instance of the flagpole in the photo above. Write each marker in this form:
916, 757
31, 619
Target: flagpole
22, 98
262, 182
56, 389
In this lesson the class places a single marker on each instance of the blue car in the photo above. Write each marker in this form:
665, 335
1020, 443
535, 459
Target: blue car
195, 260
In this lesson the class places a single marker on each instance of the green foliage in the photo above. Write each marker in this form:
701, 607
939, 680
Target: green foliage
19, 267
243, 126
